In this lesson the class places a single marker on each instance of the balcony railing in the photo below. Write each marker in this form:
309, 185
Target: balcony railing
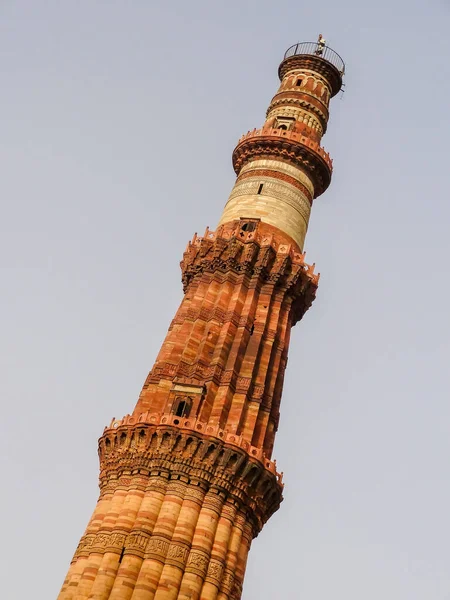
314, 48
290, 135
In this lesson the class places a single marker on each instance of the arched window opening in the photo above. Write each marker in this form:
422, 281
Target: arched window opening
210, 451
299, 82
251, 475
282, 126
233, 460
165, 440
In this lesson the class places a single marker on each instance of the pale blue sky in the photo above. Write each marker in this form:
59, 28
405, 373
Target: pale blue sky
118, 123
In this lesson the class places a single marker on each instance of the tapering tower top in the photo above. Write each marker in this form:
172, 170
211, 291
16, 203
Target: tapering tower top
315, 56
282, 166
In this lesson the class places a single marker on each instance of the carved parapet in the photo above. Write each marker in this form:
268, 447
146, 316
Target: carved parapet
194, 426
287, 145
289, 135
256, 254
152, 444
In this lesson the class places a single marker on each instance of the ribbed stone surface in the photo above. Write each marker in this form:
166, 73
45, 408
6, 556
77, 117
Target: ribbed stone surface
187, 480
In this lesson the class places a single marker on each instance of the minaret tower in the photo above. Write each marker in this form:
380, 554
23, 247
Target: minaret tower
187, 480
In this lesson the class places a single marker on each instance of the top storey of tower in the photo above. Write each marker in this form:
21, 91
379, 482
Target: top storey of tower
317, 57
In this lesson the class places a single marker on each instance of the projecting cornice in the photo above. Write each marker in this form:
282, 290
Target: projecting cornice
289, 146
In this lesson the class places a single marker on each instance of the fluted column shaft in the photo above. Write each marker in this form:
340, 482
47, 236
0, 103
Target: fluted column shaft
187, 480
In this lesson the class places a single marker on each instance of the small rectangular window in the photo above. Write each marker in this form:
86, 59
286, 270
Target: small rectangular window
260, 188
299, 82
250, 226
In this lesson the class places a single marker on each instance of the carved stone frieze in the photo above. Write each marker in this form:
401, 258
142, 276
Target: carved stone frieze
243, 384
157, 484
214, 502
194, 494
215, 571
227, 581
228, 511
136, 543
177, 554
116, 542
85, 545
157, 548
176, 488
103, 541
228, 472
100, 542
264, 264
198, 562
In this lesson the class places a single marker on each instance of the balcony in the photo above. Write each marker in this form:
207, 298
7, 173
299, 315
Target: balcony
314, 49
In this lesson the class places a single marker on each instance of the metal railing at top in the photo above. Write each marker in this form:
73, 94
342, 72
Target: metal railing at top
317, 49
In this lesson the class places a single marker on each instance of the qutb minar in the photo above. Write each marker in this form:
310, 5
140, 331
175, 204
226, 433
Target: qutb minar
187, 480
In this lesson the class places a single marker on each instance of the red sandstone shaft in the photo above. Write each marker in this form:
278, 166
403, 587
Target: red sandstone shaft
186, 480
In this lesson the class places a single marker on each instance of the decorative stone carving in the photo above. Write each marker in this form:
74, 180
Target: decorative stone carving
100, 541
197, 562
157, 484
85, 545
195, 494
300, 284
176, 488
157, 547
227, 581
136, 543
177, 554
213, 502
210, 463
116, 542
191, 469
215, 571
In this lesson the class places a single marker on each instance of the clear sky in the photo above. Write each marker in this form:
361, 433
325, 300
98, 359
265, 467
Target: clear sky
118, 120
